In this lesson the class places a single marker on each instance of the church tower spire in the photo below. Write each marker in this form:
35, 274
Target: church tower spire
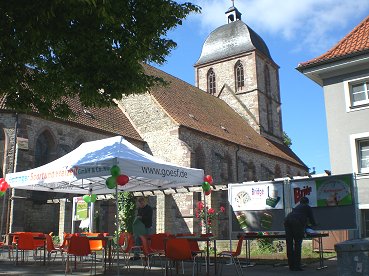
235, 65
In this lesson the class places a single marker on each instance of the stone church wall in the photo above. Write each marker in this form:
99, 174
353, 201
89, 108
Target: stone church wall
156, 128
30, 208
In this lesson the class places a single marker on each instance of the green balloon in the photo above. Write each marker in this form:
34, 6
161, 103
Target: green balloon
206, 186
86, 198
2, 193
93, 198
115, 171
111, 182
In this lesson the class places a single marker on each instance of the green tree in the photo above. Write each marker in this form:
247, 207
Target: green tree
126, 211
287, 140
93, 50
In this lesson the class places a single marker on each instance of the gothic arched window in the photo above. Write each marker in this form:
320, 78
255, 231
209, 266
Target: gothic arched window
199, 159
211, 82
277, 171
240, 76
44, 148
268, 93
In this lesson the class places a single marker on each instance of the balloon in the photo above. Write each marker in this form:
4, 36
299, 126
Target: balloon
2, 193
86, 198
3, 185
208, 179
206, 186
122, 179
208, 192
115, 171
111, 182
93, 198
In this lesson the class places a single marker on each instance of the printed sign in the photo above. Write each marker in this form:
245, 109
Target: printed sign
257, 197
334, 191
305, 188
81, 208
325, 191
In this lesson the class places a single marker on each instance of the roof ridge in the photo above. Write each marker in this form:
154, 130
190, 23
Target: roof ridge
336, 46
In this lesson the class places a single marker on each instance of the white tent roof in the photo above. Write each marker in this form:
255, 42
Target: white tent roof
85, 170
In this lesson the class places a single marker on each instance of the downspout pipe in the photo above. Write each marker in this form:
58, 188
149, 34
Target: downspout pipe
229, 205
9, 220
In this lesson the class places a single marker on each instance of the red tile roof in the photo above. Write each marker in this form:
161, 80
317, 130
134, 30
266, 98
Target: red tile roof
356, 42
108, 119
193, 108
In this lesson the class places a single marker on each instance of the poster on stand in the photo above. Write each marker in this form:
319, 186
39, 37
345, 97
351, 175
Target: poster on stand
324, 191
81, 209
257, 206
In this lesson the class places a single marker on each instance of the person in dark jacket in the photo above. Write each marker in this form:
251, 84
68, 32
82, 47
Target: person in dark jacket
294, 225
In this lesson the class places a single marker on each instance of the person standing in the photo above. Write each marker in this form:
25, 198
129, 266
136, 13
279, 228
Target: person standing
294, 224
142, 225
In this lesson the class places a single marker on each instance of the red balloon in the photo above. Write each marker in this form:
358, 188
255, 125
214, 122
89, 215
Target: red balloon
208, 179
208, 192
3, 185
122, 179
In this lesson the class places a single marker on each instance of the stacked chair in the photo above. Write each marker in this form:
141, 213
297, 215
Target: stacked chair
179, 250
78, 246
51, 249
25, 243
233, 255
126, 244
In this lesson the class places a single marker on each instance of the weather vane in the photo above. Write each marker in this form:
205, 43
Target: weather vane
232, 3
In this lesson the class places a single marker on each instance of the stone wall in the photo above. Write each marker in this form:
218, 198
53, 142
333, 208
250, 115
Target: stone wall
31, 212
156, 128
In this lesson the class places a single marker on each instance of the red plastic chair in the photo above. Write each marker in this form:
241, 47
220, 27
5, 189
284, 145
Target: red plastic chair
64, 245
234, 256
157, 242
77, 247
96, 246
51, 249
126, 244
149, 253
4, 246
179, 250
25, 243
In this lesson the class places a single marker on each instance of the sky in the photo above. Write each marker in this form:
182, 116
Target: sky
294, 31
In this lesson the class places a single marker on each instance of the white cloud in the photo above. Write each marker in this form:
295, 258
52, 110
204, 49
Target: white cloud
310, 22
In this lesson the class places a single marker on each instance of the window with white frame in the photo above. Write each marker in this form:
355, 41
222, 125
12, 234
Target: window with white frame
363, 155
359, 93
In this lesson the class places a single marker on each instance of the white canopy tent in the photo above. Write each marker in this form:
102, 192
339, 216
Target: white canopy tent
85, 170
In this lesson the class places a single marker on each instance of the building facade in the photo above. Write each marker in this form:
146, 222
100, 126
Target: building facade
343, 72
229, 125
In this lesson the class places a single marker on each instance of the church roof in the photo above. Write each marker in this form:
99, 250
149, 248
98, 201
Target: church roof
107, 119
354, 43
195, 109
231, 39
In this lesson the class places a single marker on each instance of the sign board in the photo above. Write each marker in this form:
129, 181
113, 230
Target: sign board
81, 208
261, 206
323, 191
257, 206
332, 199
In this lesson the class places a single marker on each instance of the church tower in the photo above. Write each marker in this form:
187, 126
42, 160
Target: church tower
235, 65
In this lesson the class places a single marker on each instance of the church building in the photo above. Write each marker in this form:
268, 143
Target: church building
228, 124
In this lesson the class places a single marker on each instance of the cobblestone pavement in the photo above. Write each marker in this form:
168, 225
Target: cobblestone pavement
58, 268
